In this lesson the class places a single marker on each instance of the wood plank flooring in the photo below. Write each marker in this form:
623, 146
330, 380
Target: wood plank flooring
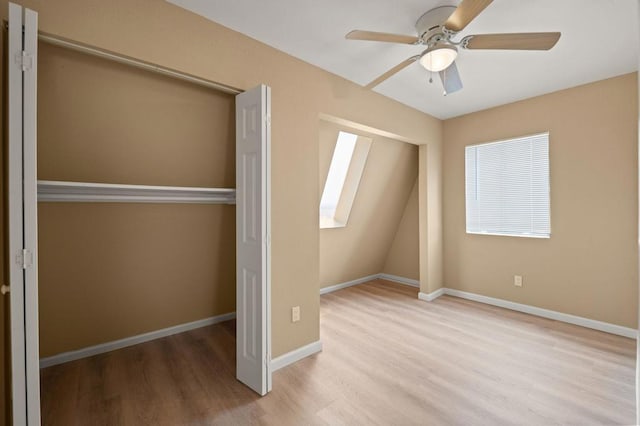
388, 359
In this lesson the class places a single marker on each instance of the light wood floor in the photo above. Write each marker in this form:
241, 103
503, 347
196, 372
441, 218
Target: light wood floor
388, 359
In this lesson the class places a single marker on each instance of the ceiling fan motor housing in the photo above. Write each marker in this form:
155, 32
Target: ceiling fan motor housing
430, 24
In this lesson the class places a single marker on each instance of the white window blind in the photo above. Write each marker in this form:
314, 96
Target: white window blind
507, 187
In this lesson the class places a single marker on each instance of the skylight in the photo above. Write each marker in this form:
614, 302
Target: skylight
347, 165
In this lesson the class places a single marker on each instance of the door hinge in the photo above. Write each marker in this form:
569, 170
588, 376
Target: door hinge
267, 119
24, 60
25, 258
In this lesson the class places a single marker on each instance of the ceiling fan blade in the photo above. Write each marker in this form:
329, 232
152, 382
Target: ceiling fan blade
515, 41
402, 65
465, 13
450, 79
387, 37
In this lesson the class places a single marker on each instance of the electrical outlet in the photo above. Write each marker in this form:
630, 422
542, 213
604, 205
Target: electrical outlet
517, 280
295, 314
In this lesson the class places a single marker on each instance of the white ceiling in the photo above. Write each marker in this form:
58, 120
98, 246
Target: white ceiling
599, 40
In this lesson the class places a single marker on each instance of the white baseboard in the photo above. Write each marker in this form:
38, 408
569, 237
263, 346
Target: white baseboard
541, 312
388, 277
546, 313
130, 341
429, 297
400, 280
340, 286
296, 355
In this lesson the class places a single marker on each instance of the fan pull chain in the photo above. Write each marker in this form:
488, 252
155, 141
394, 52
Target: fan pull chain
444, 82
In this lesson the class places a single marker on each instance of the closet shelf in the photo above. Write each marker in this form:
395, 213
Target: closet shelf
87, 192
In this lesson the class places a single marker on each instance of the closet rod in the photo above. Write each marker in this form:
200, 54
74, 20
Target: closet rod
91, 192
95, 51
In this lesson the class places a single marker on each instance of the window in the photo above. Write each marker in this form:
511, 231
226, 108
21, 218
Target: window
345, 171
507, 187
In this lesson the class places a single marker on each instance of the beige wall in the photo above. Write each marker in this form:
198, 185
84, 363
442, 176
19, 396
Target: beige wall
430, 218
360, 249
100, 121
161, 33
589, 265
403, 259
587, 273
109, 271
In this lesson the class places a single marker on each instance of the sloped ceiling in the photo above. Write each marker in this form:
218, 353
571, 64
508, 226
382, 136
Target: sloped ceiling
361, 248
599, 40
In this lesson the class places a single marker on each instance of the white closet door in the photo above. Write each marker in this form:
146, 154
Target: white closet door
253, 335
22, 215
16, 241
30, 191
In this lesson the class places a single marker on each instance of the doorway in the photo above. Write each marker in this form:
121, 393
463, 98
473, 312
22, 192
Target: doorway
372, 232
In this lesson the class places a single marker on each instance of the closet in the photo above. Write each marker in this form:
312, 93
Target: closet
139, 232
110, 264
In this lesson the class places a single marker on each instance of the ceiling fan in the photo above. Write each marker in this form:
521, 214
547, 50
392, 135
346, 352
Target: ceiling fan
436, 30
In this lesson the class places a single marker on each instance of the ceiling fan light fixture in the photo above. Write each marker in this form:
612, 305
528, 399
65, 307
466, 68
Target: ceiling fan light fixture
438, 57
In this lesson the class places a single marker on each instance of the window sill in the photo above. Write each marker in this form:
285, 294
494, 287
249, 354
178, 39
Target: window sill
328, 223
544, 237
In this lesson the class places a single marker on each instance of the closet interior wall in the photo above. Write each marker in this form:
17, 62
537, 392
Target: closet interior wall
113, 270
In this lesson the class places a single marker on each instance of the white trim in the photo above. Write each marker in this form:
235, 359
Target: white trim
508, 234
546, 313
60, 191
133, 340
429, 297
388, 277
340, 286
400, 280
296, 355
541, 312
